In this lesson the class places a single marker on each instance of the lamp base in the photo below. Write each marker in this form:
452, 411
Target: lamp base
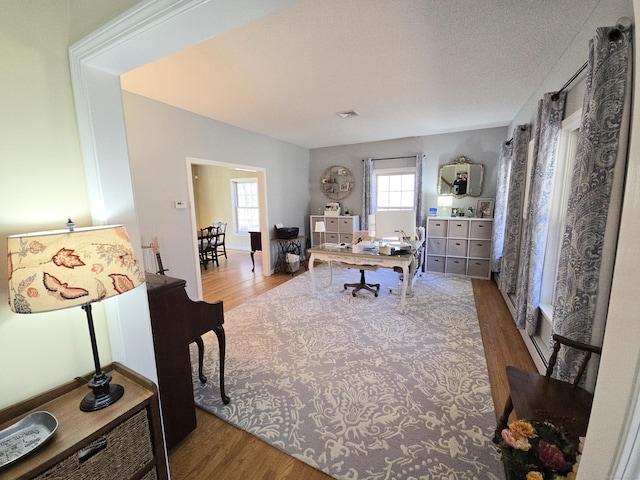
102, 393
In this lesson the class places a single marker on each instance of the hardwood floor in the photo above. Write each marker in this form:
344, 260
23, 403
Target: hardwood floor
221, 451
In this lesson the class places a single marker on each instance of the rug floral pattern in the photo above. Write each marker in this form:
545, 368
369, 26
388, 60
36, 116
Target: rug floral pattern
355, 388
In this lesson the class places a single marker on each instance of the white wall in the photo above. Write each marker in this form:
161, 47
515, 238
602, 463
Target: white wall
161, 137
481, 146
42, 183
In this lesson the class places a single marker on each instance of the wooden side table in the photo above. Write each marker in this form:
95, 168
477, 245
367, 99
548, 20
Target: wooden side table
126, 437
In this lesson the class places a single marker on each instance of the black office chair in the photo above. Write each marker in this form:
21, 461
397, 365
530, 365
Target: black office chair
363, 285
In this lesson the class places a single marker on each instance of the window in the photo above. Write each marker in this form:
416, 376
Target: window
567, 149
395, 189
246, 210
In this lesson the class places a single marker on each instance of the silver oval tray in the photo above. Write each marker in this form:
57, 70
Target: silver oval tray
25, 436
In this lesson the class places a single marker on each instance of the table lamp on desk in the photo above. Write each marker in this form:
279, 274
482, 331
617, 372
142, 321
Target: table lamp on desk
320, 228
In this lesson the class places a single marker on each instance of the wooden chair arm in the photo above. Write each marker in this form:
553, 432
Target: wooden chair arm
575, 344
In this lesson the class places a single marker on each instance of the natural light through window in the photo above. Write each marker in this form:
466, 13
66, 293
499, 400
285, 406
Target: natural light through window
567, 149
246, 206
395, 189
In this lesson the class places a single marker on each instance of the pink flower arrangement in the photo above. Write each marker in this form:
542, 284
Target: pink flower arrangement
538, 451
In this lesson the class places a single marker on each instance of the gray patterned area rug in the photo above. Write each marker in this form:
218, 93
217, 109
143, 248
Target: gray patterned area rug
355, 388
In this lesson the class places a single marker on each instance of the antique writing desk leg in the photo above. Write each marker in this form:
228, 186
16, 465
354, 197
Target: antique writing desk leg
219, 331
253, 263
200, 344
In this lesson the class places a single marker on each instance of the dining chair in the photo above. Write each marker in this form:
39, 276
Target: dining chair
206, 248
540, 397
219, 240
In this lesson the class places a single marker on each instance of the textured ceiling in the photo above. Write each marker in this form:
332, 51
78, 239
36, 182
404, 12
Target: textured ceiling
409, 67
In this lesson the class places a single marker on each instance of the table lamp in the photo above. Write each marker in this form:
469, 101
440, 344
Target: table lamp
75, 267
445, 201
320, 228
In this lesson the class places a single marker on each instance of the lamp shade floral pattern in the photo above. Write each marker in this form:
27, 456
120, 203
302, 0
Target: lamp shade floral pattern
61, 269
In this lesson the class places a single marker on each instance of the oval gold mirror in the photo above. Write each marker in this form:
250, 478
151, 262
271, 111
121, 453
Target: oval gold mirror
461, 178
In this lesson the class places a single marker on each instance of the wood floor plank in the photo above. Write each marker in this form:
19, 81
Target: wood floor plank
219, 450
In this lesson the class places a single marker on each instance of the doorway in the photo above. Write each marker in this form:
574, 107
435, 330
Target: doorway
229, 169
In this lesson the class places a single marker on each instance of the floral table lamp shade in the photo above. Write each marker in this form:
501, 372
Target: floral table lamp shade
61, 269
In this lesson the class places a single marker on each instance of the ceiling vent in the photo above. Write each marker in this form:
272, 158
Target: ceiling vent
348, 114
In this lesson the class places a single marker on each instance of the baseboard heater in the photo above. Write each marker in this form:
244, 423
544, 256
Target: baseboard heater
535, 351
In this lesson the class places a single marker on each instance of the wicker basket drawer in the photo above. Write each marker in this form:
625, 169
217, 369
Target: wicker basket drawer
436, 246
437, 228
435, 264
457, 247
151, 475
124, 451
480, 248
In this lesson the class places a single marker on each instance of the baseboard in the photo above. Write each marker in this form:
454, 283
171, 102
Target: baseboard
535, 352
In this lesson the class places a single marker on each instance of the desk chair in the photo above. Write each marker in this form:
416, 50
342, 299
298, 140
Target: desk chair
540, 397
358, 236
363, 285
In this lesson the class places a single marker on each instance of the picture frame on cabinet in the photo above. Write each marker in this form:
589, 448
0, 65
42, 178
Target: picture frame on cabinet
484, 208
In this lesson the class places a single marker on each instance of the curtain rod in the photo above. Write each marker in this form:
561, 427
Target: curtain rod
391, 158
622, 25
556, 95
614, 35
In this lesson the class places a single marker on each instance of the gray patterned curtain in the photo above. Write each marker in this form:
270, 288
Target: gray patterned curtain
593, 214
536, 225
513, 216
504, 164
367, 181
421, 214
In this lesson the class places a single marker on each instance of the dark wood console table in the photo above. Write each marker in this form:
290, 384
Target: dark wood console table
176, 322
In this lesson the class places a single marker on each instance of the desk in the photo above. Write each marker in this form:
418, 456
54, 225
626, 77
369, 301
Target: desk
289, 245
331, 253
